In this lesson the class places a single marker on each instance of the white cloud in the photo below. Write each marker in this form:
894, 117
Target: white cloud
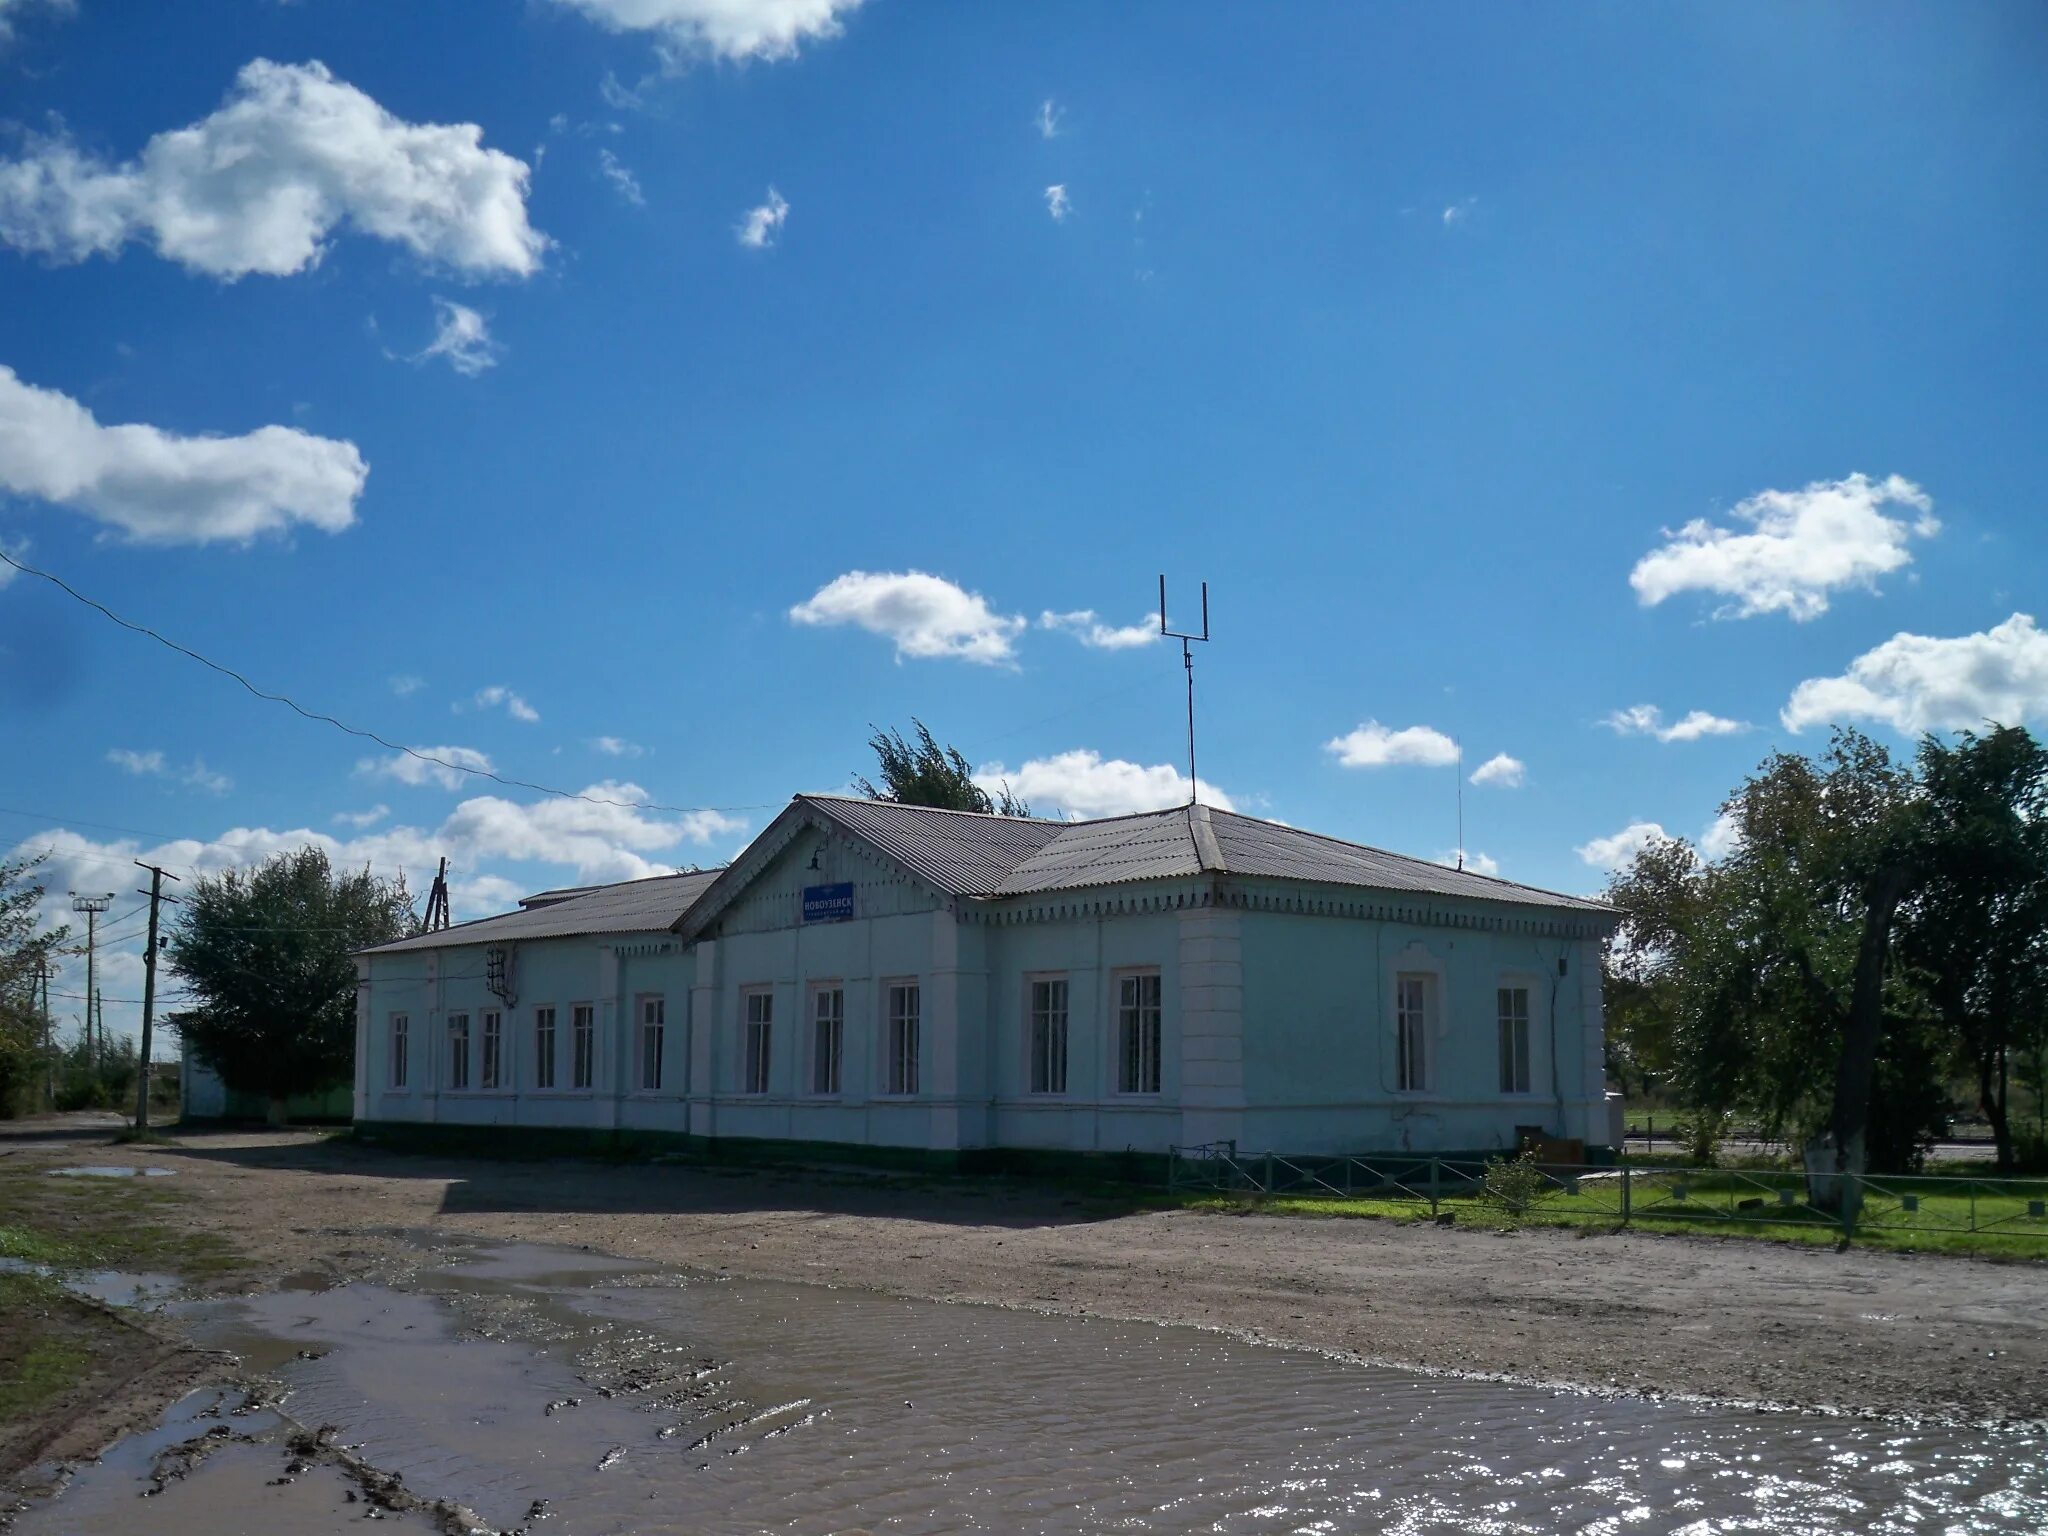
1084, 626
1501, 770
154, 765
1458, 212
1080, 784
291, 157
616, 746
1468, 858
362, 819
924, 616
757, 231
1920, 683
623, 181
403, 768
1048, 119
139, 763
1801, 546
160, 488
498, 695
10, 9
1374, 745
1722, 837
1057, 203
1648, 720
722, 29
199, 776
1614, 851
463, 337
405, 684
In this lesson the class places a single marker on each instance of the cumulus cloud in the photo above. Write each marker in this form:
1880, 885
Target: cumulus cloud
1920, 683
1501, 771
1615, 850
1048, 119
924, 616
362, 819
1083, 785
1722, 837
623, 181
757, 231
498, 696
403, 768
734, 30
263, 184
463, 338
1648, 720
1374, 745
1799, 547
1084, 626
158, 487
616, 746
1470, 859
1057, 202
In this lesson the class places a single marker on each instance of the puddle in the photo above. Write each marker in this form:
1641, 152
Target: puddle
117, 1288
109, 1171
625, 1398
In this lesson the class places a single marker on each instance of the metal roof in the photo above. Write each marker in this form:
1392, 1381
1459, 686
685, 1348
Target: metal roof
962, 853
632, 906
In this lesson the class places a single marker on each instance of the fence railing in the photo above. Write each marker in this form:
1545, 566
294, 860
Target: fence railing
1927, 1204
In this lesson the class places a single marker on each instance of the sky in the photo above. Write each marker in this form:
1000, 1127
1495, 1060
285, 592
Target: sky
644, 399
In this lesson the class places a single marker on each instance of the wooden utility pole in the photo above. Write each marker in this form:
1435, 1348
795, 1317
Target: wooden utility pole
156, 895
437, 901
92, 907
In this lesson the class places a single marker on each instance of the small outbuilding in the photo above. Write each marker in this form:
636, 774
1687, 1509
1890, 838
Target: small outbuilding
868, 974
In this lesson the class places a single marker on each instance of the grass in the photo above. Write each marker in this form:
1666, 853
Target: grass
47, 1344
104, 1224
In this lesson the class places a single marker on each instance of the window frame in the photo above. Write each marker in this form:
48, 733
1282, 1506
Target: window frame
398, 1051
491, 1050
902, 1071
827, 1084
646, 1029
458, 1052
1157, 1077
1513, 1053
757, 1061
1057, 1084
1412, 1068
546, 1022
582, 1047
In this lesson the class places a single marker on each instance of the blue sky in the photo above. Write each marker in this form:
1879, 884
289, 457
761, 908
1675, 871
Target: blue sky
1503, 371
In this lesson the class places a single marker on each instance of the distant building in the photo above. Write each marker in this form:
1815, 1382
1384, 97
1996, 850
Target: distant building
883, 975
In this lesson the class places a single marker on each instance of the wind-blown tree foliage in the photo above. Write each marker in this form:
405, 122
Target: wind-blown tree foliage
264, 953
23, 950
924, 773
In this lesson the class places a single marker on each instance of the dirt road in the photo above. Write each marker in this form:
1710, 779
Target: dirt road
1859, 1331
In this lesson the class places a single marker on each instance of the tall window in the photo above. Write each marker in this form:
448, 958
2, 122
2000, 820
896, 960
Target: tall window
828, 1037
491, 1051
905, 1001
760, 1020
1137, 1033
543, 1047
458, 1050
1514, 1039
582, 1045
401, 1027
653, 1025
1049, 1035
1411, 1032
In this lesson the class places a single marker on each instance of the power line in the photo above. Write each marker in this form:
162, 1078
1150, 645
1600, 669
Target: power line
353, 730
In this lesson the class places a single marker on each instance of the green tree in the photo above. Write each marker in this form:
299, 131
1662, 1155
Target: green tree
24, 951
264, 953
922, 772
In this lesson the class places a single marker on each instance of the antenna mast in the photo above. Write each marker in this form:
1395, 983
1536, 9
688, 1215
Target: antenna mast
1187, 660
1461, 802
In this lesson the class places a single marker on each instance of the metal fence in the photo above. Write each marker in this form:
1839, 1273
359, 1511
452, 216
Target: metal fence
1926, 1204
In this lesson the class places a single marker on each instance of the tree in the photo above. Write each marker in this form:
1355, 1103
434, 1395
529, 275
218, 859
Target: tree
24, 952
924, 773
265, 953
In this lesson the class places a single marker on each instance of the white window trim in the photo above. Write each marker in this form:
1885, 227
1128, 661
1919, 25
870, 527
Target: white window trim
811, 994
554, 1057
641, 1028
1416, 960
468, 1084
497, 1082
1031, 980
595, 1032
885, 1038
391, 1022
1534, 983
746, 1087
1115, 1033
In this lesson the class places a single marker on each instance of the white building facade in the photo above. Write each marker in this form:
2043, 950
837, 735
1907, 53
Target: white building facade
883, 976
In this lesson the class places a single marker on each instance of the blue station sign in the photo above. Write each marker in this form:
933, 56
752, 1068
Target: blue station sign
828, 903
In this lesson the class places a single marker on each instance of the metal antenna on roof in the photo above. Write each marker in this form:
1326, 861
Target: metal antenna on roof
1187, 660
1461, 802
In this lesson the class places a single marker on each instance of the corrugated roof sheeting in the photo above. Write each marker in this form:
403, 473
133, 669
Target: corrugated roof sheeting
959, 852
633, 906
1155, 846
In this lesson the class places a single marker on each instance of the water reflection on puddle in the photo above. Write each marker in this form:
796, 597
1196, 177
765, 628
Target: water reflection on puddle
109, 1171
638, 1401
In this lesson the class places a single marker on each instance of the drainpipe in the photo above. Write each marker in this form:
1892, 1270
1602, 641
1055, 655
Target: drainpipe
1556, 1082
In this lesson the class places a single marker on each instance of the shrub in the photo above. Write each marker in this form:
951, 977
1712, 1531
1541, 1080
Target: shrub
1515, 1186
1700, 1133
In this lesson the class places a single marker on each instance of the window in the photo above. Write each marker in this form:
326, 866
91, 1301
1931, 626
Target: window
400, 1026
543, 1047
582, 1045
458, 1050
1137, 1033
905, 1000
491, 1048
1514, 1039
1411, 1032
653, 1025
828, 1037
1049, 1035
760, 1020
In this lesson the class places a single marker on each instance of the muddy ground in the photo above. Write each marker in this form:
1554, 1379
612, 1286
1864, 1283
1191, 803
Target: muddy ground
1861, 1331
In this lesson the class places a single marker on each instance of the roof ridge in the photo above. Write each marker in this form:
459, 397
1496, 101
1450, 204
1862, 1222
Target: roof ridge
1208, 852
936, 810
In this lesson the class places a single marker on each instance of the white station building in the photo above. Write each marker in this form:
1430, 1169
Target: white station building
879, 975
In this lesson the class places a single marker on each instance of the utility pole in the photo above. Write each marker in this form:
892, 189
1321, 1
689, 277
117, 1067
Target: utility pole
156, 894
92, 907
49, 1037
